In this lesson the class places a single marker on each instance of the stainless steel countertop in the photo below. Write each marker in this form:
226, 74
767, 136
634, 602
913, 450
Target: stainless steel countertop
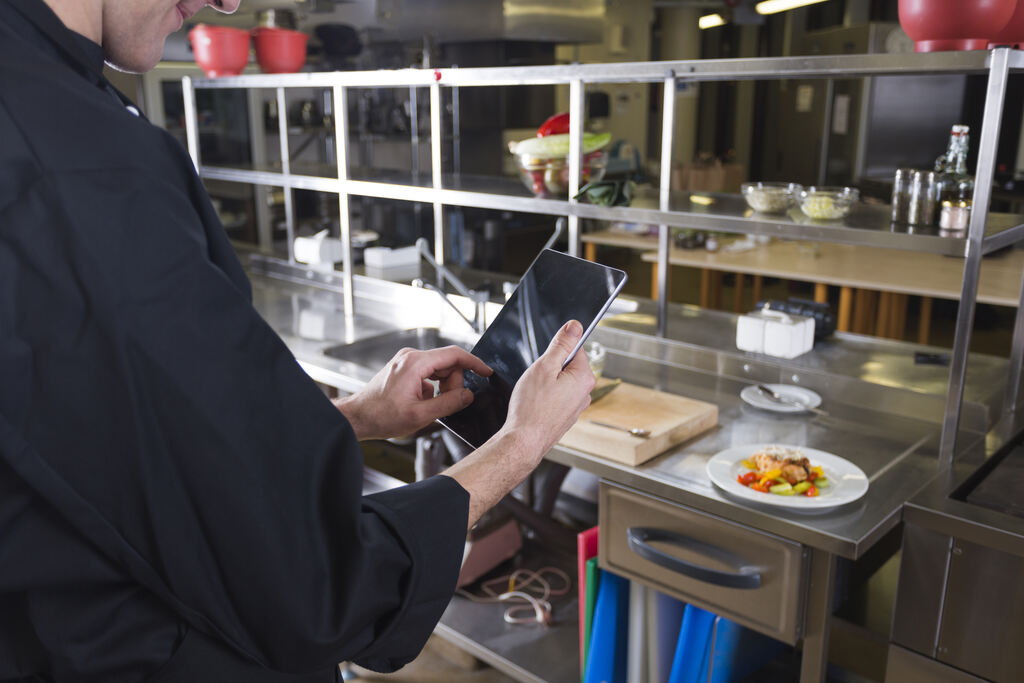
885, 412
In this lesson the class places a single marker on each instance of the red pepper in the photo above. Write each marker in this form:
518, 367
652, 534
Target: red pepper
811, 492
748, 478
761, 486
555, 125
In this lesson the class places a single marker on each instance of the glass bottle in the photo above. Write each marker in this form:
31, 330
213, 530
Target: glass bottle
955, 183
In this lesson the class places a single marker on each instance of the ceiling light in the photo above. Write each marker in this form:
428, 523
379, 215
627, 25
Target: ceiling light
773, 6
710, 21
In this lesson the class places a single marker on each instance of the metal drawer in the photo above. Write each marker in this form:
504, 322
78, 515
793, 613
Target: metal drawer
749, 576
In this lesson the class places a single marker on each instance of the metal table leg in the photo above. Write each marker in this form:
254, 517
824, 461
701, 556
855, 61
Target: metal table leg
819, 616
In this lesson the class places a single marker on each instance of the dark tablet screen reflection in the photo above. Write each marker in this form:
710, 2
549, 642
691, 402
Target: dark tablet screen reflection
555, 289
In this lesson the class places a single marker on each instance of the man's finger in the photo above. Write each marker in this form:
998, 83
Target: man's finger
451, 382
563, 342
449, 358
444, 404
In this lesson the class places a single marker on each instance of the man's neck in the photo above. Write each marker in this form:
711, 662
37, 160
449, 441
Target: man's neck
81, 16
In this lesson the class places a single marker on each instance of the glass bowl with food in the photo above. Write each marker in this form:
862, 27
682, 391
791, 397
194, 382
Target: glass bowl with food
770, 197
827, 203
544, 162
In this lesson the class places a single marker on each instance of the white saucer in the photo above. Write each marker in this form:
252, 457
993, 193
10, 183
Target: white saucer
806, 397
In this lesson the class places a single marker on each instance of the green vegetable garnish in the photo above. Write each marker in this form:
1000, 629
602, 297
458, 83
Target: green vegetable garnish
821, 482
801, 487
784, 489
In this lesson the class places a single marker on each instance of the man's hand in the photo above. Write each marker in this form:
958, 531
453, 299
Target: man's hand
399, 400
547, 400
545, 403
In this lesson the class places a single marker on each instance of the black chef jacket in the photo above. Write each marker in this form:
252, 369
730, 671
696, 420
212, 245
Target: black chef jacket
178, 500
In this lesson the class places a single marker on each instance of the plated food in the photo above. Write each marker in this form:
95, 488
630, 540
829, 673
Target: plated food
783, 471
845, 481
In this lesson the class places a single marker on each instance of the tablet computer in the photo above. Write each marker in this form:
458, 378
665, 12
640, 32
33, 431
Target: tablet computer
555, 289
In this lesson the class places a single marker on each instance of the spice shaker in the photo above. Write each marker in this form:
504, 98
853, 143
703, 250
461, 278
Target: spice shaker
922, 198
901, 194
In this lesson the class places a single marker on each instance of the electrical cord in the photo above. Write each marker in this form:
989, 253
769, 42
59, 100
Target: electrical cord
527, 590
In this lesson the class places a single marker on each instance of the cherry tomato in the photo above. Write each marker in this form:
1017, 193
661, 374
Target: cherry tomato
555, 125
761, 486
811, 492
748, 478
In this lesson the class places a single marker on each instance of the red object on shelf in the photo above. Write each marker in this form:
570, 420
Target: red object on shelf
220, 50
1013, 32
279, 50
936, 25
555, 125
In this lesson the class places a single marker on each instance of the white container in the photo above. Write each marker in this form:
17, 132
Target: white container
775, 333
385, 257
319, 251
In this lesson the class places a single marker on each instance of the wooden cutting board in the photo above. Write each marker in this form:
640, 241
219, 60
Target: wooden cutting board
671, 419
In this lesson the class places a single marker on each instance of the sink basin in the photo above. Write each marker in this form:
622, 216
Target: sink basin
375, 352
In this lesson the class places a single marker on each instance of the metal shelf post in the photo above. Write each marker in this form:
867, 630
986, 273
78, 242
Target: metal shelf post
995, 94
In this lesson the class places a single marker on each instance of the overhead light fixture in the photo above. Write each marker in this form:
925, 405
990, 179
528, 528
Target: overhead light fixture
774, 6
710, 21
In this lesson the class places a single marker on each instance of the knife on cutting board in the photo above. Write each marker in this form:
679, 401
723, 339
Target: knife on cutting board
603, 390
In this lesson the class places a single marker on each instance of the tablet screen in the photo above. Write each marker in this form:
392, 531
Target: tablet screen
556, 288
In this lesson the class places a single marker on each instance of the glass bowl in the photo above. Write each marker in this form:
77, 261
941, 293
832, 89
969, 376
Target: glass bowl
827, 203
550, 177
770, 197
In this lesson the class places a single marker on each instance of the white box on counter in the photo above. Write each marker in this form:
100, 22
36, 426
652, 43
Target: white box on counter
385, 257
775, 333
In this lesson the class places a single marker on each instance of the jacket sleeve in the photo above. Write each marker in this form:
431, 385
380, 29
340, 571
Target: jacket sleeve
171, 411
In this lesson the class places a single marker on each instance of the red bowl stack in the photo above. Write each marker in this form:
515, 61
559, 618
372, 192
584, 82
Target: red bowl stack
220, 50
1013, 32
954, 24
279, 50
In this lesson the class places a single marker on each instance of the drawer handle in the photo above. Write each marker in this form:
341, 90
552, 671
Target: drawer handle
745, 577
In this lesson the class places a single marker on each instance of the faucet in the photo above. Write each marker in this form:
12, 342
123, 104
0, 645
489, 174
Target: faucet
479, 298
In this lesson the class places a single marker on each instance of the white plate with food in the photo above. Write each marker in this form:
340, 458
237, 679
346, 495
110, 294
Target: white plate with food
803, 398
786, 476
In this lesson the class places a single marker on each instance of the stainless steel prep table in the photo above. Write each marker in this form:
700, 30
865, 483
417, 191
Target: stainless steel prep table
885, 430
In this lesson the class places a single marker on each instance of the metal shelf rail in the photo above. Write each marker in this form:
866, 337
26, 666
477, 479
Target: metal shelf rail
674, 209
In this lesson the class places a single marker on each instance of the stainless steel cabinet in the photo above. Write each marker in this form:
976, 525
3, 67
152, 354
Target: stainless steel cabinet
752, 577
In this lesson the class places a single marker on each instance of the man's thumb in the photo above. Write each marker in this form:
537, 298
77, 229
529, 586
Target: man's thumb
565, 341
446, 403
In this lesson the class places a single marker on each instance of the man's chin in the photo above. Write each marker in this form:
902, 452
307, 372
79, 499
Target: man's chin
132, 64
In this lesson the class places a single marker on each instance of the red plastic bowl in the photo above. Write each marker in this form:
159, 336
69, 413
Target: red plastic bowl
220, 50
1013, 32
279, 50
954, 24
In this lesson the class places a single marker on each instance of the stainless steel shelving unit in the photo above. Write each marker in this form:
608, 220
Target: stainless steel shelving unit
867, 225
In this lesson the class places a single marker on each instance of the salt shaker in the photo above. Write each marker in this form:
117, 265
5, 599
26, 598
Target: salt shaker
901, 194
923, 195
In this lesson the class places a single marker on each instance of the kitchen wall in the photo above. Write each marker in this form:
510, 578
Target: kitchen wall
627, 38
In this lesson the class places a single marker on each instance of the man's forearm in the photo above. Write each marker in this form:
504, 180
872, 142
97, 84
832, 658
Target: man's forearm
490, 472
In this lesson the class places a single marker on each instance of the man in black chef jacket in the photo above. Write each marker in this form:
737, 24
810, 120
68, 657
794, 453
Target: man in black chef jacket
178, 501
